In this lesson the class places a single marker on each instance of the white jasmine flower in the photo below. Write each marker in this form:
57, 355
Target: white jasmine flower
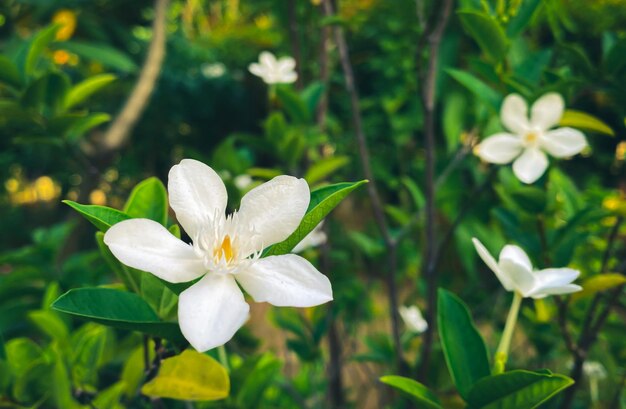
273, 71
214, 70
413, 319
594, 370
313, 239
225, 251
516, 273
531, 138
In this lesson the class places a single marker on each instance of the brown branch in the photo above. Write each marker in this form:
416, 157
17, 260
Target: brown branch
120, 129
428, 100
377, 206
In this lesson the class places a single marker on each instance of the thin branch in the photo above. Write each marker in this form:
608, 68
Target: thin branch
124, 122
294, 38
377, 206
428, 100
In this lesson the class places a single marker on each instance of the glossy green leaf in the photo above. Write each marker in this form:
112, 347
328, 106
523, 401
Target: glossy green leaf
463, 347
584, 121
424, 398
9, 74
102, 53
323, 200
83, 125
523, 16
37, 45
148, 200
190, 376
324, 168
83, 90
118, 309
487, 32
162, 300
100, 216
481, 90
517, 389
130, 277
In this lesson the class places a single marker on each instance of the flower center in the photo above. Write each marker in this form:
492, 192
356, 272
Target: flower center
225, 250
531, 138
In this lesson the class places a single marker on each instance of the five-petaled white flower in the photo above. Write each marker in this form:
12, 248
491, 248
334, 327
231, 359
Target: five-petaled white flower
226, 250
531, 138
313, 239
515, 272
273, 71
413, 319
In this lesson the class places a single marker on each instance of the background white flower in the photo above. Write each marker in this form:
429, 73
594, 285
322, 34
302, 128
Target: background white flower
515, 272
225, 251
531, 137
313, 239
273, 71
413, 319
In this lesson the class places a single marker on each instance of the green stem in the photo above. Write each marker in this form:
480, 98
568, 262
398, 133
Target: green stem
223, 358
505, 342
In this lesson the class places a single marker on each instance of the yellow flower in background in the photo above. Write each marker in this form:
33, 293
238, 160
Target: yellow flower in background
67, 20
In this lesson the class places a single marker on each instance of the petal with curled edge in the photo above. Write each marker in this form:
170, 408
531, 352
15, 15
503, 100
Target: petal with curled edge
286, 281
493, 265
523, 279
196, 193
146, 245
211, 311
516, 254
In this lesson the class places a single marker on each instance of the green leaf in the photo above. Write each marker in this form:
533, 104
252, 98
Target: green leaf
148, 200
118, 309
588, 122
83, 125
293, 104
159, 296
463, 347
323, 200
481, 90
100, 216
487, 32
425, 398
50, 324
599, 283
37, 45
190, 376
9, 73
523, 16
102, 53
325, 167
81, 91
517, 389
311, 95
530, 199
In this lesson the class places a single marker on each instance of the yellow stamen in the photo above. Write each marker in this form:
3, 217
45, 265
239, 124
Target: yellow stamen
531, 137
225, 250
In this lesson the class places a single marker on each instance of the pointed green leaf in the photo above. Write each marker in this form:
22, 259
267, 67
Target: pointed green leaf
162, 300
523, 16
325, 167
599, 283
100, 216
588, 122
463, 347
293, 104
517, 389
9, 73
481, 90
323, 200
148, 200
83, 125
118, 309
424, 398
83, 90
102, 53
39, 42
487, 32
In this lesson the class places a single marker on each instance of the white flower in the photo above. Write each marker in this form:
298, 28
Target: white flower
225, 251
274, 71
516, 273
413, 319
313, 239
531, 138
594, 370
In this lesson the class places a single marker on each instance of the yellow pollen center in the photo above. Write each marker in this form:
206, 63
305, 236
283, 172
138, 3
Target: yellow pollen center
531, 137
225, 250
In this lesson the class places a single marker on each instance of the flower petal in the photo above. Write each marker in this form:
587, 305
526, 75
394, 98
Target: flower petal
547, 111
211, 311
514, 114
563, 142
286, 64
556, 281
492, 264
146, 245
565, 289
286, 281
268, 60
516, 254
530, 165
288, 78
275, 209
500, 148
197, 194
257, 69
523, 279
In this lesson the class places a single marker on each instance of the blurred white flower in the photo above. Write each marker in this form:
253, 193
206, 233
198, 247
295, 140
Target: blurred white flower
274, 71
531, 138
413, 319
226, 250
315, 238
213, 70
242, 181
594, 370
516, 273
